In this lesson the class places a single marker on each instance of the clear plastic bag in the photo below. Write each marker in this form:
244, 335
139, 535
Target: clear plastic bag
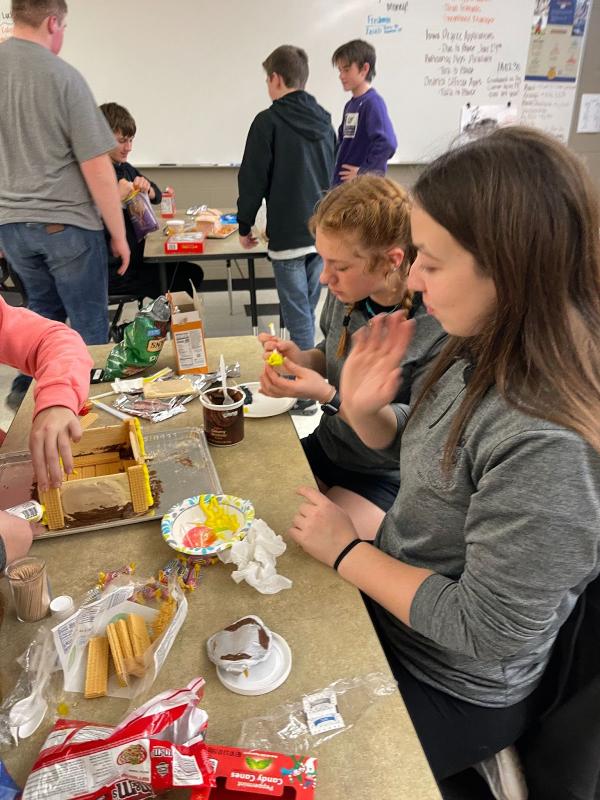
53, 666
288, 728
40, 676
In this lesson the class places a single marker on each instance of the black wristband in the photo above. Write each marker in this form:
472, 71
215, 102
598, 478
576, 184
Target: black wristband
345, 552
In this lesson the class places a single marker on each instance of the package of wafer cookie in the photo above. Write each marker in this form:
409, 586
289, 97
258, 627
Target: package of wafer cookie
116, 645
88, 761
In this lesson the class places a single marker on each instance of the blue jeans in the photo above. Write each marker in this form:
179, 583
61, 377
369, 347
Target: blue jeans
297, 281
64, 274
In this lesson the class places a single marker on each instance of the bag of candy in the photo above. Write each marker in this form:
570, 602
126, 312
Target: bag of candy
141, 215
142, 342
157, 747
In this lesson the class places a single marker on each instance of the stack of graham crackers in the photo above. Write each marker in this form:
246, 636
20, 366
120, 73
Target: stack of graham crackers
127, 639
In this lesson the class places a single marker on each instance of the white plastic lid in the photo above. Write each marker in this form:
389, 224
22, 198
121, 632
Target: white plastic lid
62, 606
264, 677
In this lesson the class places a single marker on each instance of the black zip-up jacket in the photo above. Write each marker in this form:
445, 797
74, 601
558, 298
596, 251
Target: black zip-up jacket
288, 161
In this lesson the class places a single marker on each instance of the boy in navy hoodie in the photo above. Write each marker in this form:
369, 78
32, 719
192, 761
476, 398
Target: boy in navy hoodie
366, 136
288, 159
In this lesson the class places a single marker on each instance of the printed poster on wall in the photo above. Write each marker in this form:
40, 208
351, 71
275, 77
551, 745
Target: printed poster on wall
555, 48
556, 40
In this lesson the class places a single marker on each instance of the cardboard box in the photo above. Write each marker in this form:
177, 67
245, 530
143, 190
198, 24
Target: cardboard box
252, 774
185, 243
187, 330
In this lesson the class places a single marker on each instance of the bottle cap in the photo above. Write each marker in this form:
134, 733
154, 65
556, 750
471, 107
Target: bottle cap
62, 606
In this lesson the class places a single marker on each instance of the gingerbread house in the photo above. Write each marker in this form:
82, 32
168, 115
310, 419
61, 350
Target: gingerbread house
110, 472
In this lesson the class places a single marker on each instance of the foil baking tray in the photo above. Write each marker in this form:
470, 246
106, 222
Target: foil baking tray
179, 463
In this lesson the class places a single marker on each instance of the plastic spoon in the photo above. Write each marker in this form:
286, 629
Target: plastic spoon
27, 714
227, 401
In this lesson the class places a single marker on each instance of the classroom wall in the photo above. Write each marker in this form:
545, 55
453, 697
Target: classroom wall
218, 186
588, 144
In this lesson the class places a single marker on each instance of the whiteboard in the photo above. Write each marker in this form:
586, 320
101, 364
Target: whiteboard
190, 71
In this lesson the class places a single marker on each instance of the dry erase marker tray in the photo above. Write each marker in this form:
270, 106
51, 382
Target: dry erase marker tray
179, 463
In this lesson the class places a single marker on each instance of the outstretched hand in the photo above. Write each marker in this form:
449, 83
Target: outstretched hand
320, 527
372, 374
52, 431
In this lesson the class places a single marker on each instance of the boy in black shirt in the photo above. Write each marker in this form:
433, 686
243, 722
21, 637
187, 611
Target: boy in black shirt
141, 279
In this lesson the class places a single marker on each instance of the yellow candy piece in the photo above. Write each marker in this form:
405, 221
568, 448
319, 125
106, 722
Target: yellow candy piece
275, 359
62, 709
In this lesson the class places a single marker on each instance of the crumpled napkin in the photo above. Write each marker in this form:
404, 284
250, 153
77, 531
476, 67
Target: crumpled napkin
255, 557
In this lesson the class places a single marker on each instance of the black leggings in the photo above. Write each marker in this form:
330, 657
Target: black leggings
455, 734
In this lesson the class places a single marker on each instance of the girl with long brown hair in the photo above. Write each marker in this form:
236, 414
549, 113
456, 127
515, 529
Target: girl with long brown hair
362, 232
496, 528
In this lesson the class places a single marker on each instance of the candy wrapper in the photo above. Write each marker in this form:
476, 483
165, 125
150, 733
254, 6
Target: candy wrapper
159, 409
142, 342
153, 410
140, 212
159, 746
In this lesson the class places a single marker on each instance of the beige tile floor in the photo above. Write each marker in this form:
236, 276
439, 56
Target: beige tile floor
218, 321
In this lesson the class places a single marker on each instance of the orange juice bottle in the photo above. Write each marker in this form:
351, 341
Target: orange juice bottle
167, 204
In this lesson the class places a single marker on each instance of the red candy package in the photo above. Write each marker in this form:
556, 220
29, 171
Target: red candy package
159, 746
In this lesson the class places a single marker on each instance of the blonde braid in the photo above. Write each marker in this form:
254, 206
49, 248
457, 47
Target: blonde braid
344, 336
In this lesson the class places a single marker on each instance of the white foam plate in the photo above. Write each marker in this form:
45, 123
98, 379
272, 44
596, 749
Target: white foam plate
263, 406
265, 676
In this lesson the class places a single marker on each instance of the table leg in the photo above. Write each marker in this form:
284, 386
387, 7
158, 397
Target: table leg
281, 324
253, 307
229, 286
162, 274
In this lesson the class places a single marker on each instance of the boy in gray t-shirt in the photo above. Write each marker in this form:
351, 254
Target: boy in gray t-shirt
56, 179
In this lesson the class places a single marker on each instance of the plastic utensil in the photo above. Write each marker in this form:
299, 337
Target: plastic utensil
227, 400
26, 715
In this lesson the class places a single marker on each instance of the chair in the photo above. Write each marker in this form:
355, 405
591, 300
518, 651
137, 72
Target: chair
115, 332
11, 284
561, 753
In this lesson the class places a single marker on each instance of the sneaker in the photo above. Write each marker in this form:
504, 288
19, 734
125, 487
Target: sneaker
18, 390
304, 407
15, 398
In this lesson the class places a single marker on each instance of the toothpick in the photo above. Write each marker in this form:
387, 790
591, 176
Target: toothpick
272, 328
110, 410
98, 396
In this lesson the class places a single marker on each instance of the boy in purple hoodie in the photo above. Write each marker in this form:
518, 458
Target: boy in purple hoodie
366, 136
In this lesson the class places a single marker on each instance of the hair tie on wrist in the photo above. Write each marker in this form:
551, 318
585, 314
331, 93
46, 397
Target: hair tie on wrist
345, 552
